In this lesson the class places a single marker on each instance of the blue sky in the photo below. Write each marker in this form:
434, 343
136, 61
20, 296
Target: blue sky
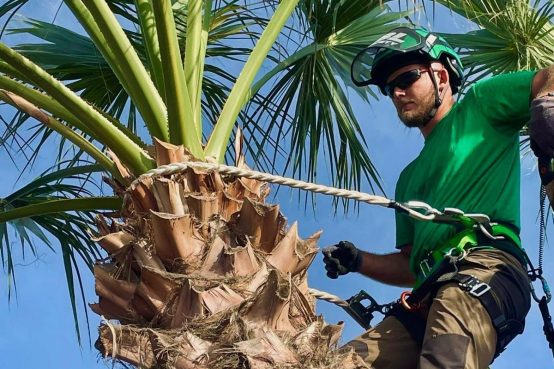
37, 327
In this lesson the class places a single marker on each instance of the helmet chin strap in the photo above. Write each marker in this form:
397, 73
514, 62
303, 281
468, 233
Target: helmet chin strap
438, 99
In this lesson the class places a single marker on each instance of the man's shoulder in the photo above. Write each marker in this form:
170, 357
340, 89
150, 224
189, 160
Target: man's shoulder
500, 82
502, 100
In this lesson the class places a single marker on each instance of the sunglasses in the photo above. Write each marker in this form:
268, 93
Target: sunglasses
403, 81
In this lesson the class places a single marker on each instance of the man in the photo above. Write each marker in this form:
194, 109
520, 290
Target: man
466, 315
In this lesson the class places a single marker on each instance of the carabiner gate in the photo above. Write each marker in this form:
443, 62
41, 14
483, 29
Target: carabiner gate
545, 289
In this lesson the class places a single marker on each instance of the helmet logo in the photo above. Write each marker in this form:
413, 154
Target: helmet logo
390, 39
430, 41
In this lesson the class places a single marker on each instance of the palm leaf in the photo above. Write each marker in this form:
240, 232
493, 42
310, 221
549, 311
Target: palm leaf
21, 217
86, 71
310, 102
491, 50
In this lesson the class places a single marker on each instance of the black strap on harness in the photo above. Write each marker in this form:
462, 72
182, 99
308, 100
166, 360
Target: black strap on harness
406, 309
506, 329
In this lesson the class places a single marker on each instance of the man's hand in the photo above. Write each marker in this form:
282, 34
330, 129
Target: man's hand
341, 258
541, 127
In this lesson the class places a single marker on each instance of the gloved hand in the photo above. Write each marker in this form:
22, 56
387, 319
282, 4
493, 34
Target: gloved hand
541, 127
341, 258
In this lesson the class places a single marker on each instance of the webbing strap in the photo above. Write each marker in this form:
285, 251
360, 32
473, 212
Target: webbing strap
470, 238
507, 232
506, 329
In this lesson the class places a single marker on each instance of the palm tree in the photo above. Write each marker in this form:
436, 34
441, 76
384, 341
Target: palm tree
200, 272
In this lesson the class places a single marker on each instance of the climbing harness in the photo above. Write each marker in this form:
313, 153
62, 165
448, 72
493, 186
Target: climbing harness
441, 265
498, 236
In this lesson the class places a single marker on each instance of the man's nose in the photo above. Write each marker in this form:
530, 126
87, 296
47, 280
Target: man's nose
398, 92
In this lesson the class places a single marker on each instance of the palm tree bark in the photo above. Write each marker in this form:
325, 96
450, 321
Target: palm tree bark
205, 274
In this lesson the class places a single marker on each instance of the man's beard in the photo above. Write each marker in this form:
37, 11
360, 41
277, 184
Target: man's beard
420, 116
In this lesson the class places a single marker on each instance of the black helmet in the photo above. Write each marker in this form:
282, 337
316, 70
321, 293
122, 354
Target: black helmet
404, 46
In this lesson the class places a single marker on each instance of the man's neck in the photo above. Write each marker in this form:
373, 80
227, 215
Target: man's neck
442, 111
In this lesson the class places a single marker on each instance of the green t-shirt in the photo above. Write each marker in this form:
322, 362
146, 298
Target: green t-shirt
470, 161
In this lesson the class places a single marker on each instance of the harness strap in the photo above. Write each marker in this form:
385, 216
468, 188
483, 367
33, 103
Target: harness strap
442, 267
505, 239
506, 329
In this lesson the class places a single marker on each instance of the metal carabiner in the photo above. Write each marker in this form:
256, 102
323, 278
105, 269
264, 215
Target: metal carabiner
421, 205
545, 289
429, 212
404, 296
489, 235
456, 254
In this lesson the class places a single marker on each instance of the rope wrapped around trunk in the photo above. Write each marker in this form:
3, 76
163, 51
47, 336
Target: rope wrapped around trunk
410, 208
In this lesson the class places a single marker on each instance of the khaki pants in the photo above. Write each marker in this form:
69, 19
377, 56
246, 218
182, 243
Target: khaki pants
459, 332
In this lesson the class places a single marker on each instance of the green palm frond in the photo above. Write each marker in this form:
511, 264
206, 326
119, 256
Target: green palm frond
215, 92
73, 58
309, 101
53, 207
491, 50
11, 6
124, 8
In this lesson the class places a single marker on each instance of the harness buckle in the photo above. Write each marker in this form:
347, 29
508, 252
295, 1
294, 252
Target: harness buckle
474, 286
424, 267
479, 290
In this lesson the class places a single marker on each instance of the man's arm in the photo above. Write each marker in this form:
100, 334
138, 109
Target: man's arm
344, 258
541, 127
543, 82
393, 269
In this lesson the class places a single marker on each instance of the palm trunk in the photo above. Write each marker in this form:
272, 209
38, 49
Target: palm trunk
204, 274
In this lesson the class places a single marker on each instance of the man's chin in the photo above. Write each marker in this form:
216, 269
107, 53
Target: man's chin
412, 121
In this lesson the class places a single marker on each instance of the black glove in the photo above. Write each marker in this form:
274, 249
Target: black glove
341, 258
541, 127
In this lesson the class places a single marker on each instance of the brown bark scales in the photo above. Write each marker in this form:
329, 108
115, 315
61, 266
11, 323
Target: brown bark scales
204, 274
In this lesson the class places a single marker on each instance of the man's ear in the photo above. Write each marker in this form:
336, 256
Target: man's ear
444, 78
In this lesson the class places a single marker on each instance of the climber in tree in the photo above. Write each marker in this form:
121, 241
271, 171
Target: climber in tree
470, 161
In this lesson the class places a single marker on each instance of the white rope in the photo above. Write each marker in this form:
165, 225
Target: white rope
252, 174
115, 349
409, 208
415, 209
320, 295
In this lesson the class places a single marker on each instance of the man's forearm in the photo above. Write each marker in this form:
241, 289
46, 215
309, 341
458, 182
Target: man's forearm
393, 269
543, 82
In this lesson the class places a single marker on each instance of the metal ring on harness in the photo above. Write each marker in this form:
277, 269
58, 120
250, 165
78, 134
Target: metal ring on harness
457, 253
404, 302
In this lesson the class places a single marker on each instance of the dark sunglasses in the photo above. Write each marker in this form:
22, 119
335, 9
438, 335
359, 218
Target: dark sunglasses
403, 81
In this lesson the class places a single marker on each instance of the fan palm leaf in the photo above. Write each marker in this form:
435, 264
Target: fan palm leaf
58, 202
491, 50
310, 100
